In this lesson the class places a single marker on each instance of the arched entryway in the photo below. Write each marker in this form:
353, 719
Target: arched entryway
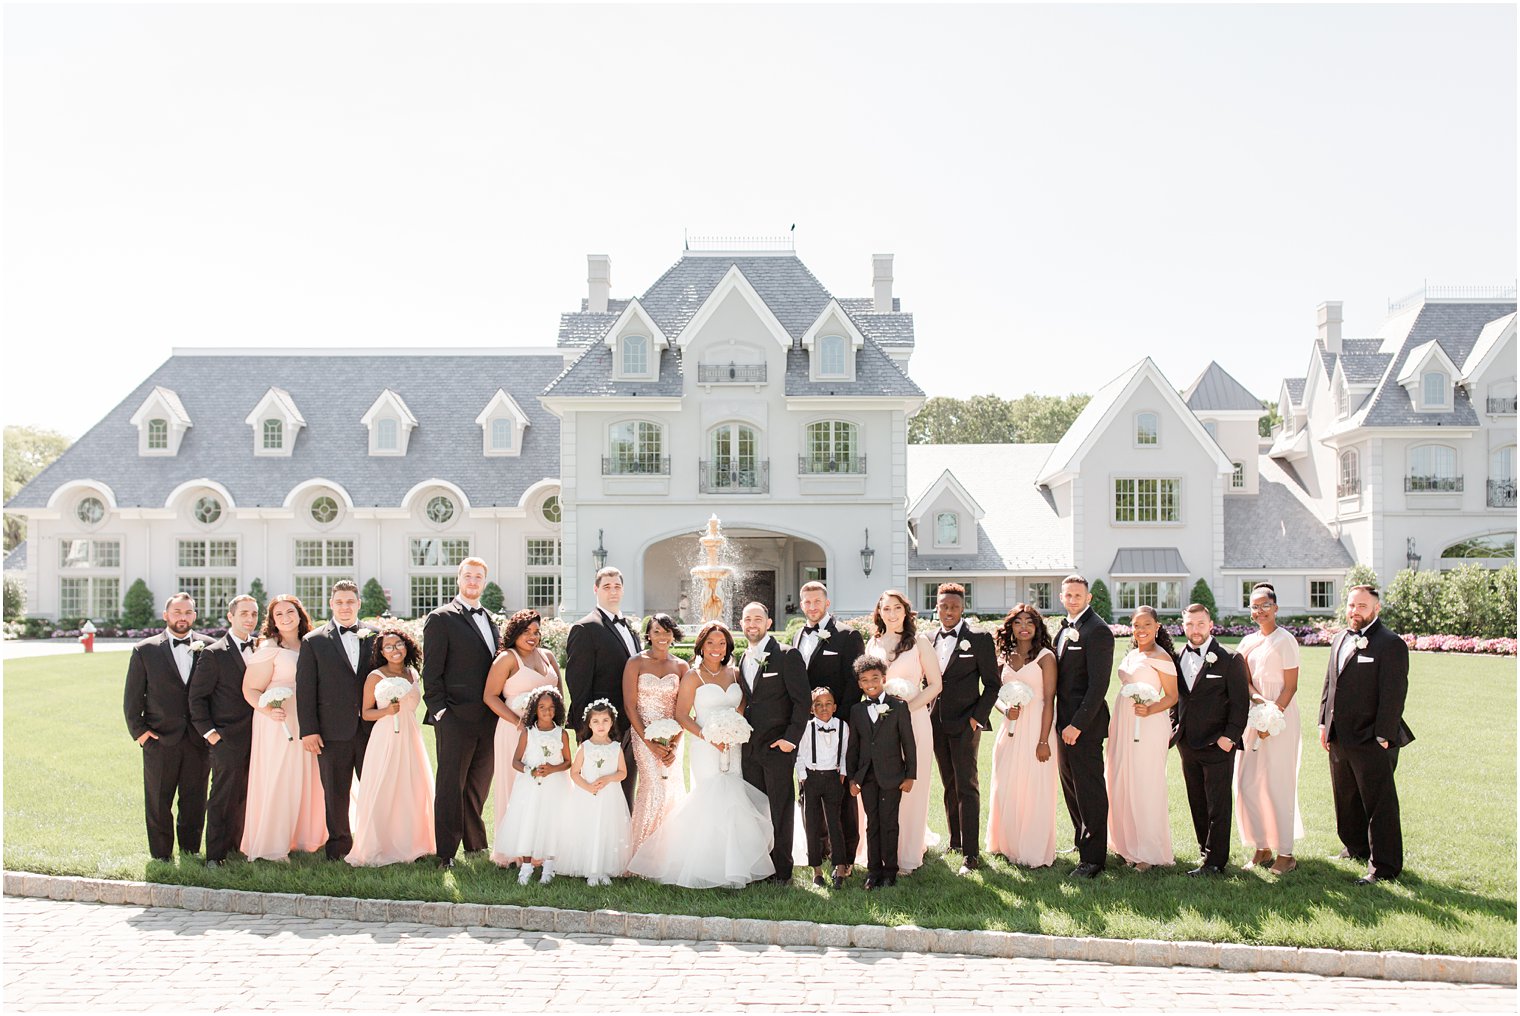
768, 566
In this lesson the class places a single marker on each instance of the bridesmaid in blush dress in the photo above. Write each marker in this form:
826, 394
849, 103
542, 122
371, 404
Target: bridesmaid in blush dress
1266, 777
393, 820
519, 667
1139, 828
1021, 824
285, 805
651, 682
910, 657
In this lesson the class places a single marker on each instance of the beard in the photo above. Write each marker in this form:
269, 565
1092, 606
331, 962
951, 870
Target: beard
179, 627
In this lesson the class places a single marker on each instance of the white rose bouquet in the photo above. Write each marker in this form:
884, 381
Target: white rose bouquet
392, 689
275, 697
662, 732
1140, 693
901, 688
1012, 694
519, 704
1267, 718
728, 728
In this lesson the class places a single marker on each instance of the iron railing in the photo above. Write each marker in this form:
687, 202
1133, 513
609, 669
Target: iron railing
808, 465
643, 465
1502, 405
732, 477
1433, 484
1349, 488
1501, 493
731, 373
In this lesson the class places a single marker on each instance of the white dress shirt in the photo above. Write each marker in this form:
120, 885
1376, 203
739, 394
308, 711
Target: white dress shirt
875, 707
945, 641
622, 630
824, 747
351, 646
1192, 663
809, 642
184, 659
1069, 629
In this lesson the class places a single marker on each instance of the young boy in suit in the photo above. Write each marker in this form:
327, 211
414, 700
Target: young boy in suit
883, 763
821, 773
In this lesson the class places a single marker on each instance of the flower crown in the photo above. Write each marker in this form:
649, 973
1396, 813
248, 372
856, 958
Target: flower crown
545, 689
586, 713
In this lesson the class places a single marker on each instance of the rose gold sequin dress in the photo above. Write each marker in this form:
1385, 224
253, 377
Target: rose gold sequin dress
655, 798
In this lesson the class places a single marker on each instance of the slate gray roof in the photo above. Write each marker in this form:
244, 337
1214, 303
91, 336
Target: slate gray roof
1273, 529
1456, 327
1020, 531
1296, 389
876, 373
1364, 368
591, 374
584, 328
16, 559
890, 330
1351, 347
1148, 561
1215, 389
445, 393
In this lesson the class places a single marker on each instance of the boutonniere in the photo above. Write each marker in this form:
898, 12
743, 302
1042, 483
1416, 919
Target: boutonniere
364, 633
965, 644
1211, 658
1361, 642
198, 645
824, 634
1072, 634
761, 658
883, 709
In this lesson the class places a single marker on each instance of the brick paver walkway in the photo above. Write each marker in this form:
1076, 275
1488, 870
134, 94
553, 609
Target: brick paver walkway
62, 955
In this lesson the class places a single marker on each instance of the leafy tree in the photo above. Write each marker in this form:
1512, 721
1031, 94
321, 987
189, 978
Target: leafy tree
491, 598
1101, 604
1203, 594
260, 597
28, 451
15, 599
1357, 575
1412, 603
137, 606
372, 601
1029, 419
1471, 603
1272, 419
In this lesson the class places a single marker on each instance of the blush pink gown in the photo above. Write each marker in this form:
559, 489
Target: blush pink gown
1266, 780
524, 678
914, 835
1021, 822
393, 822
1139, 828
659, 789
285, 807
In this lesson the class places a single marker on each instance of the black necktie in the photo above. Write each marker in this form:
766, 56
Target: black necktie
351, 629
181, 642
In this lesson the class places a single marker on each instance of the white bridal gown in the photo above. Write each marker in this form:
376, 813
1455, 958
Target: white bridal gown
720, 835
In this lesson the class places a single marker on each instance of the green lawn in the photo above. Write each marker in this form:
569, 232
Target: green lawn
73, 805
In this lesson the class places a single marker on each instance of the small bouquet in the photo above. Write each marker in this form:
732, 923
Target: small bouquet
392, 689
275, 697
519, 705
1267, 718
901, 688
1014, 693
1139, 693
728, 728
663, 733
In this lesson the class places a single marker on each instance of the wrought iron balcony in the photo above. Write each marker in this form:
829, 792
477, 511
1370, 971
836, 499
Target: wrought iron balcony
731, 373
1433, 484
850, 465
1503, 405
1501, 493
1349, 488
732, 477
637, 465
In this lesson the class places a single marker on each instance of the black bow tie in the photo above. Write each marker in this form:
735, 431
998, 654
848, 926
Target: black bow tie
181, 642
474, 610
881, 701
246, 646
946, 633
1067, 622
826, 730
810, 629
1196, 650
351, 629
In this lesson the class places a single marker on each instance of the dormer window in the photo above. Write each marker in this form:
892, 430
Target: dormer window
833, 343
832, 351
390, 424
275, 422
635, 355
161, 423
1433, 388
947, 529
1147, 430
274, 435
502, 423
158, 435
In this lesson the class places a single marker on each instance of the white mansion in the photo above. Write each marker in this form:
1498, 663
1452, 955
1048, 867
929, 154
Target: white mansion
738, 385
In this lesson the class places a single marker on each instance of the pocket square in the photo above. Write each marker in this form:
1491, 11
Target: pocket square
1364, 659
829, 652
1072, 649
966, 656
1214, 677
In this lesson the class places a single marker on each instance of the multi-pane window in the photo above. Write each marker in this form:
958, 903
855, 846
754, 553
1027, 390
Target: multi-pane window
635, 354
1432, 467
550, 510
1238, 477
501, 435
274, 437
207, 570
1434, 386
319, 563
542, 582
207, 510
440, 509
637, 447
947, 529
1138, 499
435, 565
1246, 585
323, 510
734, 463
1351, 474
436, 552
543, 553
1163, 594
832, 447
90, 511
1039, 595
831, 356
89, 553
386, 435
543, 593
1321, 594
931, 594
158, 434
1147, 429
93, 597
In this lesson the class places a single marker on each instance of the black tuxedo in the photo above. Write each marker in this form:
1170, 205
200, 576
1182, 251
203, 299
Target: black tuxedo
777, 701
176, 763
455, 661
217, 703
881, 755
1363, 700
329, 695
970, 686
832, 666
1214, 707
595, 655
1083, 670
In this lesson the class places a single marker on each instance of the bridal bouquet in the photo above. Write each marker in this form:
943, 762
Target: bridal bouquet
1267, 718
275, 697
392, 689
662, 732
1139, 693
1014, 693
901, 688
520, 704
726, 727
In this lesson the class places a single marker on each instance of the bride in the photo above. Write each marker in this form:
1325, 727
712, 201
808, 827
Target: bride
720, 835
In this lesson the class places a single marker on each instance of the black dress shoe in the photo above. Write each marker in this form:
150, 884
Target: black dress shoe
1370, 878
1085, 870
444, 863
838, 882
1205, 869
971, 863
216, 864
889, 880
872, 882
819, 882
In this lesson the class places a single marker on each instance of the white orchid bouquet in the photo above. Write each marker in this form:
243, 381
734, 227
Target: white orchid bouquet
1266, 718
728, 728
662, 732
1014, 694
275, 697
899, 687
1140, 693
392, 689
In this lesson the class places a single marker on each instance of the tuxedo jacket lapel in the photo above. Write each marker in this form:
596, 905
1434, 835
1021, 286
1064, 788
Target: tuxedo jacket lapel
342, 650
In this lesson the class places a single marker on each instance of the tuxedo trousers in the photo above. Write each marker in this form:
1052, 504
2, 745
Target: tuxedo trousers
771, 771
824, 798
881, 803
1209, 775
338, 764
955, 752
228, 803
1081, 769
1367, 805
175, 773
466, 766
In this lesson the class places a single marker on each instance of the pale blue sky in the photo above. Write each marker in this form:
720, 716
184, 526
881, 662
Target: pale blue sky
1066, 189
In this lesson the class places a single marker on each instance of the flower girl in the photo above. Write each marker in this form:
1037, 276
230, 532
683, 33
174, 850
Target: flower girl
595, 834
529, 831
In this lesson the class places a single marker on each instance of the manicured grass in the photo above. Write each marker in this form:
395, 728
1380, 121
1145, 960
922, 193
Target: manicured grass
73, 805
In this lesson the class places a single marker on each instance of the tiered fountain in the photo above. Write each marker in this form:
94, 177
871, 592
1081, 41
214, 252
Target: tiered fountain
711, 574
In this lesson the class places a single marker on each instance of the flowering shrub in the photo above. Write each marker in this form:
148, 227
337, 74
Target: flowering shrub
1324, 634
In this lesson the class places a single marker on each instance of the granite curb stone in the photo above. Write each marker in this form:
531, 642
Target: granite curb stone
1391, 965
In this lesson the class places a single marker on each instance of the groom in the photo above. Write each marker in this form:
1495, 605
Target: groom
1084, 664
774, 681
596, 651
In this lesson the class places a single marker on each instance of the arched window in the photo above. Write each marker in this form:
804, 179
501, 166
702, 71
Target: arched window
831, 356
832, 446
1351, 475
440, 509
636, 446
1432, 468
733, 462
90, 511
1433, 388
947, 529
1147, 430
158, 434
207, 510
324, 510
1238, 476
274, 435
1501, 478
635, 354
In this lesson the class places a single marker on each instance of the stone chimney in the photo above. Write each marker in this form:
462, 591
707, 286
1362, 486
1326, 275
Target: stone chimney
1329, 315
881, 265
598, 282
